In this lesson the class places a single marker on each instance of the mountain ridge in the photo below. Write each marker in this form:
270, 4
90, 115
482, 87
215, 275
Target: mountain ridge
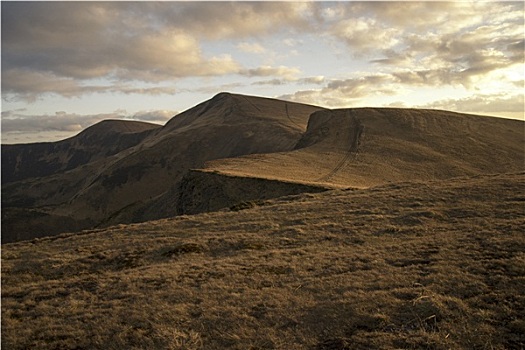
136, 176
258, 137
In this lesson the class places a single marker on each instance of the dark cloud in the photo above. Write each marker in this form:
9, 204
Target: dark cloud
312, 80
29, 85
270, 82
132, 40
18, 84
286, 73
62, 47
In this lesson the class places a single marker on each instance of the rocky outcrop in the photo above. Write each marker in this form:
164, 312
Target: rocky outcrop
203, 191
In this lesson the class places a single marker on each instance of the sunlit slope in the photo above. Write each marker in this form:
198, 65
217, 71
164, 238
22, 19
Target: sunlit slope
370, 146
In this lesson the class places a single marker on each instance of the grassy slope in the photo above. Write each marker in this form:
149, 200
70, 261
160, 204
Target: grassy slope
393, 145
438, 265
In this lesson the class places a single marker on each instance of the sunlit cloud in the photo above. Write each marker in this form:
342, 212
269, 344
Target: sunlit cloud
510, 106
334, 54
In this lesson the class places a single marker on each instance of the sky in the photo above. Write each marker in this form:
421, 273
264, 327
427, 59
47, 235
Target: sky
68, 65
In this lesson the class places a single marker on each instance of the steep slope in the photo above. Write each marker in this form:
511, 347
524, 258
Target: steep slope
106, 138
121, 187
365, 147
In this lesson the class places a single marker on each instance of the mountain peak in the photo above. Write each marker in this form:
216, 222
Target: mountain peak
231, 108
117, 126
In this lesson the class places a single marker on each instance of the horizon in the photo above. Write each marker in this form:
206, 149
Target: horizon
107, 60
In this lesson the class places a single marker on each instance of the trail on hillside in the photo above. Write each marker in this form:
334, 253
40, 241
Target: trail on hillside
352, 138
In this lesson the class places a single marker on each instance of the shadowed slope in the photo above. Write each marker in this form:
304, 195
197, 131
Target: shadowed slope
122, 187
101, 140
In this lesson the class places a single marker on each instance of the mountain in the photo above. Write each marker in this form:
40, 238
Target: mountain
235, 148
122, 186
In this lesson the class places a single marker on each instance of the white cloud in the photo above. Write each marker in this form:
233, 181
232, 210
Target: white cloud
364, 35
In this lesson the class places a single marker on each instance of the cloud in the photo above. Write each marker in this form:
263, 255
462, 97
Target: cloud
312, 80
156, 90
77, 48
60, 121
20, 84
365, 35
270, 82
501, 105
93, 39
14, 122
360, 87
251, 48
220, 20
433, 43
345, 92
153, 57
65, 46
284, 72
28, 85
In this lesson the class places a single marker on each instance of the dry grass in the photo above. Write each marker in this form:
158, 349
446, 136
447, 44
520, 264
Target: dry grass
439, 265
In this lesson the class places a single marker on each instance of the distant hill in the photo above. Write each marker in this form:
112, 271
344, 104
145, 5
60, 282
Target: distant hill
106, 138
247, 148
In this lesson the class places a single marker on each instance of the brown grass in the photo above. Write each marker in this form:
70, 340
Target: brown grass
436, 265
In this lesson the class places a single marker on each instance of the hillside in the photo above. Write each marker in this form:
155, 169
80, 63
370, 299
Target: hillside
419, 265
365, 147
104, 139
232, 137
122, 186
